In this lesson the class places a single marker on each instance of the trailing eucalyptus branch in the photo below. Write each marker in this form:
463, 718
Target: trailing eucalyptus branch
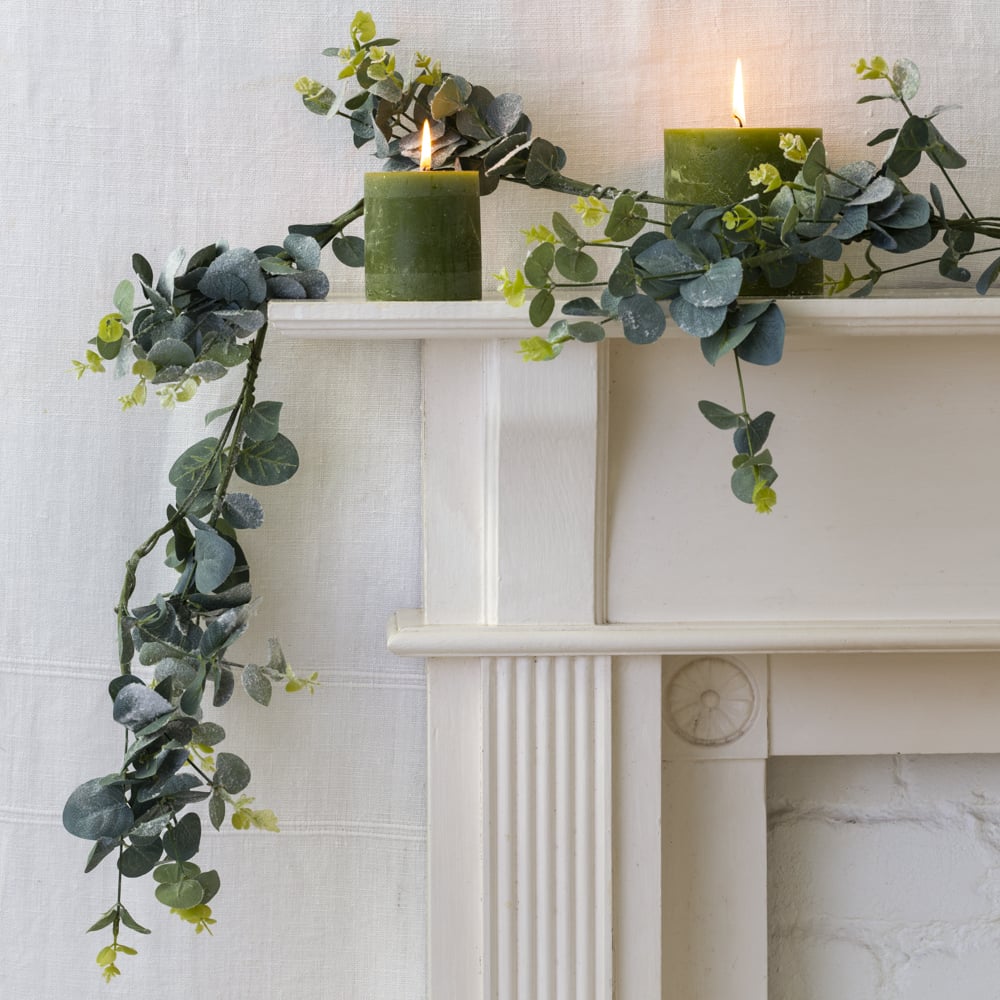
196, 325
698, 263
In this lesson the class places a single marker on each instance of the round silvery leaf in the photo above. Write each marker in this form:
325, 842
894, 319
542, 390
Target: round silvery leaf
315, 282
235, 277
96, 811
243, 511
231, 772
137, 705
304, 250
284, 286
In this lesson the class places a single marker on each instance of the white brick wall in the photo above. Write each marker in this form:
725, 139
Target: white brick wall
884, 878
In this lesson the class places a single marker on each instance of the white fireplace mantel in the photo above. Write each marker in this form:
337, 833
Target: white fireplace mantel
615, 645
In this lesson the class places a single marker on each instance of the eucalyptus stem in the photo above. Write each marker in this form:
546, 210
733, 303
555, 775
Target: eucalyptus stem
227, 438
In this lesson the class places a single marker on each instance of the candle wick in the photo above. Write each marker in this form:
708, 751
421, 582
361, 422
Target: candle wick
739, 120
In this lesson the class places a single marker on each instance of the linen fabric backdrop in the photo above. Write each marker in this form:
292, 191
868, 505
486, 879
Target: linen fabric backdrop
141, 126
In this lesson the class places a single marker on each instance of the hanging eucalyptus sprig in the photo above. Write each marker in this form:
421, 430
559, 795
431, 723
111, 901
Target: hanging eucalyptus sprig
198, 322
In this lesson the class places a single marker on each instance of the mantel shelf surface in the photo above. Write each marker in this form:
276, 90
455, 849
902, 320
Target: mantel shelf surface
350, 318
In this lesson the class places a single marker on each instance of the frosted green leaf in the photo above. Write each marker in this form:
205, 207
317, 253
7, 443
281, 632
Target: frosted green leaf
169, 352
234, 277
643, 321
304, 250
719, 286
137, 705
97, 811
231, 773
243, 511
256, 684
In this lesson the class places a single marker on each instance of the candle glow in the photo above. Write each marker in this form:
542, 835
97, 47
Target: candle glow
739, 106
425, 147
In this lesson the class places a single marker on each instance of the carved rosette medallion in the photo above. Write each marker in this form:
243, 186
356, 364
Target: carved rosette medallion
710, 701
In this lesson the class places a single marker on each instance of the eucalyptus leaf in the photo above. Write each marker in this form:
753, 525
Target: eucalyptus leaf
267, 463
750, 441
262, 421
718, 415
130, 922
225, 685
235, 277
564, 232
170, 352
303, 249
137, 705
586, 332
136, 861
217, 809
199, 466
504, 113
621, 281
209, 734
719, 286
231, 772
97, 811
108, 917
541, 165
643, 321
988, 276
575, 265
725, 340
175, 871
210, 884
626, 219
538, 264
256, 684
214, 560
665, 258
766, 344
181, 842
541, 308
243, 511
349, 250
101, 849
697, 320
584, 306
180, 895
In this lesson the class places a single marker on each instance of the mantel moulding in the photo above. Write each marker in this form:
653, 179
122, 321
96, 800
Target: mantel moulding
357, 319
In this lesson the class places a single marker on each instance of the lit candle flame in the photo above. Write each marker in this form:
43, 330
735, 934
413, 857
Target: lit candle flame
425, 147
739, 108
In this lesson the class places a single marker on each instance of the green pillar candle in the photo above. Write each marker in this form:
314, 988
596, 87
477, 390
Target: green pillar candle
422, 235
710, 167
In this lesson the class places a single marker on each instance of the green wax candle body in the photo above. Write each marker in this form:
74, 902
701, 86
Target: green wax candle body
422, 235
710, 167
